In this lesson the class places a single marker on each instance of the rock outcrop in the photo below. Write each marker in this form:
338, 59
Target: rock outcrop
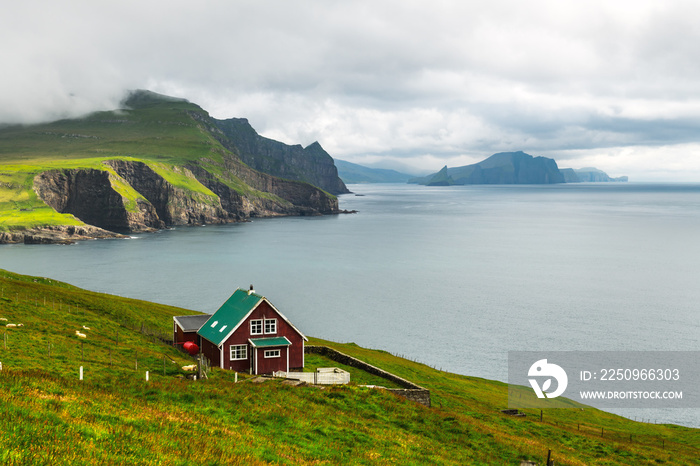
60, 234
88, 194
173, 205
135, 198
311, 164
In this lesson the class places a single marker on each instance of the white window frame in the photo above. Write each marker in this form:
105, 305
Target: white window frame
256, 323
236, 348
274, 326
273, 353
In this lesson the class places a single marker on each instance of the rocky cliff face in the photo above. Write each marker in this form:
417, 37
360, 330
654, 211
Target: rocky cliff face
311, 164
56, 234
173, 205
89, 195
285, 197
93, 196
182, 169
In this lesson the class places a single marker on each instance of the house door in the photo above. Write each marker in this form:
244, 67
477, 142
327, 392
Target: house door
252, 360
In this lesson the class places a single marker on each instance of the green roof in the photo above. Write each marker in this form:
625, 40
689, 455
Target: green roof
266, 342
229, 316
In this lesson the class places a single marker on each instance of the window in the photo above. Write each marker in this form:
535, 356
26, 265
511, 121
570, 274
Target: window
272, 353
256, 327
239, 352
270, 325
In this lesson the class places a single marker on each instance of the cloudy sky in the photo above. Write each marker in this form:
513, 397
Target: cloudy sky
411, 85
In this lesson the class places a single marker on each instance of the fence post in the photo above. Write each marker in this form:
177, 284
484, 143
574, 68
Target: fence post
136, 355
81, 372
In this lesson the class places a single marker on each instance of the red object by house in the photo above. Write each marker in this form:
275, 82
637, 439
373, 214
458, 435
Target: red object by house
185, 328
248, 334
191, 347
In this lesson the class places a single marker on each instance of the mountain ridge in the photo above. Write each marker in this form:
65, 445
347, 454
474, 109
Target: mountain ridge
156, 162
353, 173
513, 168
500, 168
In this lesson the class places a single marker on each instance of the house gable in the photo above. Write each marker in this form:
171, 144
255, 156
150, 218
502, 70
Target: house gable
234, 312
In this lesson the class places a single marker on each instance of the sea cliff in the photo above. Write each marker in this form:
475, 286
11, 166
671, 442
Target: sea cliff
156, 163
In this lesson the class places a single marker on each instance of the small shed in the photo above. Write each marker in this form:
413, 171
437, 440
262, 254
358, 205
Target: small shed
248, 334
185, 329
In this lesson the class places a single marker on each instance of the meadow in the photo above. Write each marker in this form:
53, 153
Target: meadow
115, 416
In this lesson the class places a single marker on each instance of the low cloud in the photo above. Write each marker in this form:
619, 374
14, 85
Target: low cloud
407, 81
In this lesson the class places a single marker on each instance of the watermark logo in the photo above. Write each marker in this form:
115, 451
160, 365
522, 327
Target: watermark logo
543, 369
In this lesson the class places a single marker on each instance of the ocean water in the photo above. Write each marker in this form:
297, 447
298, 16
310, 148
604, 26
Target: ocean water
454, 277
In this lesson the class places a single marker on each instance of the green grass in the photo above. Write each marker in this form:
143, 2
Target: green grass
20, 208
159, 132
48, 416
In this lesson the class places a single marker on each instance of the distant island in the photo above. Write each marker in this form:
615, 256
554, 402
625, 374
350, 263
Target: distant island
512, 168
588, 175
352, 173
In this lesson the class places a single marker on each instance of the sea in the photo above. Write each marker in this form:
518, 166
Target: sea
453, 277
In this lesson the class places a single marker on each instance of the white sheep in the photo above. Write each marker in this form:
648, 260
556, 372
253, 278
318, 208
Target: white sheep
3, 318
190, 368
80, 335
86, 328
11, 325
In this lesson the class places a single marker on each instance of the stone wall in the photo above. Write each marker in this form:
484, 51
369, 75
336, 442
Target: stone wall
409, 391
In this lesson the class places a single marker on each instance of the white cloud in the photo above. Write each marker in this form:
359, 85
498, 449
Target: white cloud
412, 82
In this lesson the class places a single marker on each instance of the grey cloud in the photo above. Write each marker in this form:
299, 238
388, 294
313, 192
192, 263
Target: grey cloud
423, 81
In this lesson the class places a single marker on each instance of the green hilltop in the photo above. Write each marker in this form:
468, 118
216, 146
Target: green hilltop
115, 416
158, 161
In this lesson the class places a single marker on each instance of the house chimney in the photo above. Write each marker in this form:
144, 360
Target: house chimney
251, 290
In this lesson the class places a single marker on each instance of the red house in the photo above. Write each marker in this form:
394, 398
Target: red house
248, 334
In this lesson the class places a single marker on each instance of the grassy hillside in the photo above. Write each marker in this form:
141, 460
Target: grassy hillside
157, 131
167, 134
114, 416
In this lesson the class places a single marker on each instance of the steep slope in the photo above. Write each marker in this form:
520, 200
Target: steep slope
502, 168
311, 164
157, 162
115, 416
